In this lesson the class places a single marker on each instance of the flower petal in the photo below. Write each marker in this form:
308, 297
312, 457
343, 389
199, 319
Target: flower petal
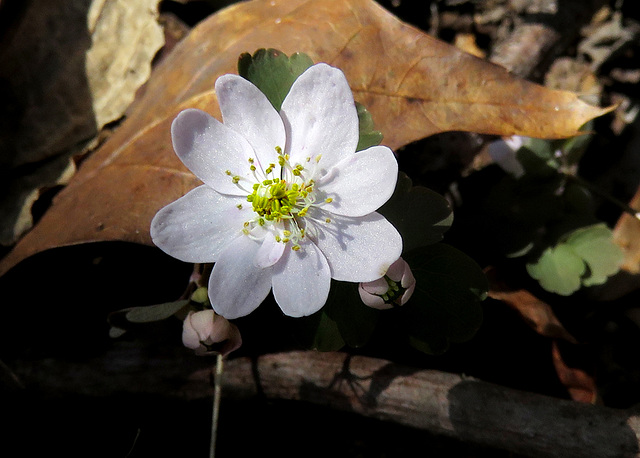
247, 110
301, 281
378, 287
320, 117
237, 286
361, 183
212, 151
196, 227
269, 252
190, 336
357, 249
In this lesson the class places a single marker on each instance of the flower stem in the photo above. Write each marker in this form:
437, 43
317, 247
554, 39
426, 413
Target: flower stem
217, 388
591, 187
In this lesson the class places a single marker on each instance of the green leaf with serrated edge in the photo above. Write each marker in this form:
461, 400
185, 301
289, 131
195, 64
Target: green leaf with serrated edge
156, 312
273, 72
559, 270
369, 136
421, 215
445, 306
595, 245
356, 321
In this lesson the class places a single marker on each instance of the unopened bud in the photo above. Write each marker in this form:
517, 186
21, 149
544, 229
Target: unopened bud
208, 333
392, 290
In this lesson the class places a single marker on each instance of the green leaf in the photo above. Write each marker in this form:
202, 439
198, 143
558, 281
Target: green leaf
369, 136
421, 215
115, 332
587, 257
595, 245
537, 158
156, 312
355, 320
445, 306
273, 72
344, 320
319, 332
559, 270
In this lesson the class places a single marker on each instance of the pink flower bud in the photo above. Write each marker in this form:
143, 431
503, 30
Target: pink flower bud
204, 329
394, 289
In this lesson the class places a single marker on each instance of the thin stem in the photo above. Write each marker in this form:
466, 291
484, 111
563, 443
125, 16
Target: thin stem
217, 388
591, 187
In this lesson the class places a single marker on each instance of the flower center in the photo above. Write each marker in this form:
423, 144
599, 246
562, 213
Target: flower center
280, 197
275, 200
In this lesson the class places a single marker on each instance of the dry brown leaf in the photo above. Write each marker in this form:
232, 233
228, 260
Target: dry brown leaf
627, 235
413, 85
71, 67
580, 385
535, 312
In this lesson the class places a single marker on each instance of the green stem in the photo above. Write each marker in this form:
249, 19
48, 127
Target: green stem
591, 187
217, 388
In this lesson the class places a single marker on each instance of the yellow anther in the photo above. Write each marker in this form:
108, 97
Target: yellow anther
228, 172
295, 247
239, 206
328, 200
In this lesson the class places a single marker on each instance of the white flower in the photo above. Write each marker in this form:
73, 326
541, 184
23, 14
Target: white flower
287, 202
202, 330
503, 153
395, 288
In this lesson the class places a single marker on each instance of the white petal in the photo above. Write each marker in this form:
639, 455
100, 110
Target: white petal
212, 151
397, 270
301, 281
361, 183
320, 117
237, 286
372, 300
196, 227
269, 252
358, 249
247, 110
378, 287
190, 337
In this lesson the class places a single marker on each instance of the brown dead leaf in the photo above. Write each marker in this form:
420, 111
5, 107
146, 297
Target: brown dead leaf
536, 313
580, 385
69, 68
627, 235
413, 85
